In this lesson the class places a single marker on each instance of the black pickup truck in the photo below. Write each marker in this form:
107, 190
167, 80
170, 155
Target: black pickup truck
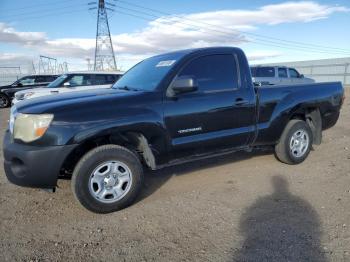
166, 110
27, 82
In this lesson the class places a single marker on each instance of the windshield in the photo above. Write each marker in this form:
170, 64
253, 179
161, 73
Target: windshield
147, 74
58, 82
18, 81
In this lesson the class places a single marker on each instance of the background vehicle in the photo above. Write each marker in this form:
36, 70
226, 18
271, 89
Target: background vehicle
166, 110
278, 75
71, 82
26, 82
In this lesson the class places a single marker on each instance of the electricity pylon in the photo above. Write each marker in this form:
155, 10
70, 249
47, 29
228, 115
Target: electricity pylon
104, 53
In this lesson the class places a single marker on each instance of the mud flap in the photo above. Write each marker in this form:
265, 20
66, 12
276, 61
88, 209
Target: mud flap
314, 120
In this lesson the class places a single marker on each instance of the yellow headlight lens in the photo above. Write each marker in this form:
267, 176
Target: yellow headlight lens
29, 127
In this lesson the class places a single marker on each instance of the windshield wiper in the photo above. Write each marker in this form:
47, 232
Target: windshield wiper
127, 88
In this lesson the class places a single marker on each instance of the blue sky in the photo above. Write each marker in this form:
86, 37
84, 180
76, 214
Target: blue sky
66, 29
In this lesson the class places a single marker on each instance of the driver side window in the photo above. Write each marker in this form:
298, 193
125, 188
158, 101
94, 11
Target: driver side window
293, 73
212, 72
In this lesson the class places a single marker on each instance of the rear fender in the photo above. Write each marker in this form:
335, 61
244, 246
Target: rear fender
302, 104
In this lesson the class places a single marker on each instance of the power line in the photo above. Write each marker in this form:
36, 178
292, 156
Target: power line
38, 11
227, 35
266, 38
36, 5
50, 14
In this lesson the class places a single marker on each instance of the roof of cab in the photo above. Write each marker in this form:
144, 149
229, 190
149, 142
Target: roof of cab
203, 50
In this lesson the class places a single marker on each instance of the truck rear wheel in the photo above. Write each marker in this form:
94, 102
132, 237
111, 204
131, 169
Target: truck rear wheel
107, 179
295, 143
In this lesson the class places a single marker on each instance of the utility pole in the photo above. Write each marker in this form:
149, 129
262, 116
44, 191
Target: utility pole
104, 53
89, 66
62, 68
47, 65
33, 68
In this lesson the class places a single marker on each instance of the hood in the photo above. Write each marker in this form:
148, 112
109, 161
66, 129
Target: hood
5, 87
20, 94
86, 98
37, 89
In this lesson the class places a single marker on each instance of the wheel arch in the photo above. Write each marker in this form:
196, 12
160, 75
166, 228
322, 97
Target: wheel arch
135, 141
312, 116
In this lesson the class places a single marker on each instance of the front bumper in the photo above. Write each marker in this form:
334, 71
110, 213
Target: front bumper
33, 166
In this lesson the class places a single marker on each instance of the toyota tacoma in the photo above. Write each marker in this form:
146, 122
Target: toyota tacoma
166, 110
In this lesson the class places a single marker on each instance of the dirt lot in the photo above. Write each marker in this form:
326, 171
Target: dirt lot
243, 207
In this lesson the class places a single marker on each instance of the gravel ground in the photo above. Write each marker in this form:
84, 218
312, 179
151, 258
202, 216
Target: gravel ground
242, 207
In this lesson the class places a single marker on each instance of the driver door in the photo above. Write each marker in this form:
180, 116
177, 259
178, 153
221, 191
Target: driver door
219, 114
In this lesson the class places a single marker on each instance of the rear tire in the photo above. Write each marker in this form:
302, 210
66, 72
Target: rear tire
107, 179
4, 101
295, 143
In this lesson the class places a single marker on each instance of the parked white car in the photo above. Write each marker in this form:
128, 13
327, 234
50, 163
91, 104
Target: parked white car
278, 75
71, 82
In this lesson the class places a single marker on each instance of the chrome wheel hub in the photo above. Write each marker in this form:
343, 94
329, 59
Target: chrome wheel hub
110, 181
299, 143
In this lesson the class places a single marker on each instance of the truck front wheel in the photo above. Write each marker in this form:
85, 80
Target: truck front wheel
295, 143
4, 101
107, 179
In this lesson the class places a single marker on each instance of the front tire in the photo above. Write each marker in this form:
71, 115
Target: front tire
295, 143
4, 101
107, 179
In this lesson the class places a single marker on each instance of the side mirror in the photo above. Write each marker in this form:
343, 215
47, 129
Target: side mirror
302, 76
19, 84
66, 84
184, 84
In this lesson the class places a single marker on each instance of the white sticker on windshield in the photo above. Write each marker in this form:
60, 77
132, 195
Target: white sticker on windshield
166, 63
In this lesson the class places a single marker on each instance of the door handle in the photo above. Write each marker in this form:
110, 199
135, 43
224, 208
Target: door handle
240, 101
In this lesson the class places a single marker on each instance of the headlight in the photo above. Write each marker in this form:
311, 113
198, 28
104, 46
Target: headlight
12, 118
28, 127
22, 96
29, 94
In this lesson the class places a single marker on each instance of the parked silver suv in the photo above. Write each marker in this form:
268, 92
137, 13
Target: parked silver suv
278, 75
